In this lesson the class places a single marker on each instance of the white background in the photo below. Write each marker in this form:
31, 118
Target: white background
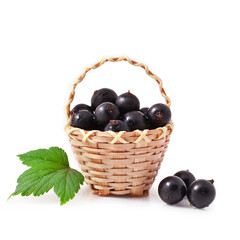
192, 45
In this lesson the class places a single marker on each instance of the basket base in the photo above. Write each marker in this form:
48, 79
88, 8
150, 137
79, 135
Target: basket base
139, 194
137, 191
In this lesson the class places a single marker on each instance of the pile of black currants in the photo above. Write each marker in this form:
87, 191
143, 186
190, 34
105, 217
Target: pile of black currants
200, 193
118, 113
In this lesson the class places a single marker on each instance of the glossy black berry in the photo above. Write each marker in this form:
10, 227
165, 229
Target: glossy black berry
116, 126
83, 119
159, 115
144, 110
103, 95
172, 189
135, 120
186, 176
81, 106
127, 102
104, 113
201, 193
121, 117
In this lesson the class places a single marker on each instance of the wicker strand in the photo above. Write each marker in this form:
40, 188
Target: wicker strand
142, 135
117, 137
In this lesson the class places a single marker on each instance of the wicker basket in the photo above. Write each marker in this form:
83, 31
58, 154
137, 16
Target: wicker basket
119, 163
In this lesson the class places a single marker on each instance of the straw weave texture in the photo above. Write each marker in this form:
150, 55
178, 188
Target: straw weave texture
124, 162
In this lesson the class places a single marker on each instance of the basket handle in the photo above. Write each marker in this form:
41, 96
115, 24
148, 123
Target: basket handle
122, 58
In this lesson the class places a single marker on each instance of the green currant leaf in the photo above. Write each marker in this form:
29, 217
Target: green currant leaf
49, 169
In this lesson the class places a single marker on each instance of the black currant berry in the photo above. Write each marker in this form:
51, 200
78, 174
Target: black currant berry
104, 113
201, 193
103, 95
117, 126
135, 120
172, 189
144, 110
186, 176
159, 115
83, 119
121, 117
81, 106
127, 102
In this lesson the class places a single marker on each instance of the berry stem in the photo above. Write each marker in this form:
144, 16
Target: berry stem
211, 181
110, 109
159, 115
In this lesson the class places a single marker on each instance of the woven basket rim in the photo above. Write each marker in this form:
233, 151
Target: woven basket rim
129, 132
116, 137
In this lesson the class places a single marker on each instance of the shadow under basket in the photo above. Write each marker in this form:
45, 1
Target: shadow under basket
124, 162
